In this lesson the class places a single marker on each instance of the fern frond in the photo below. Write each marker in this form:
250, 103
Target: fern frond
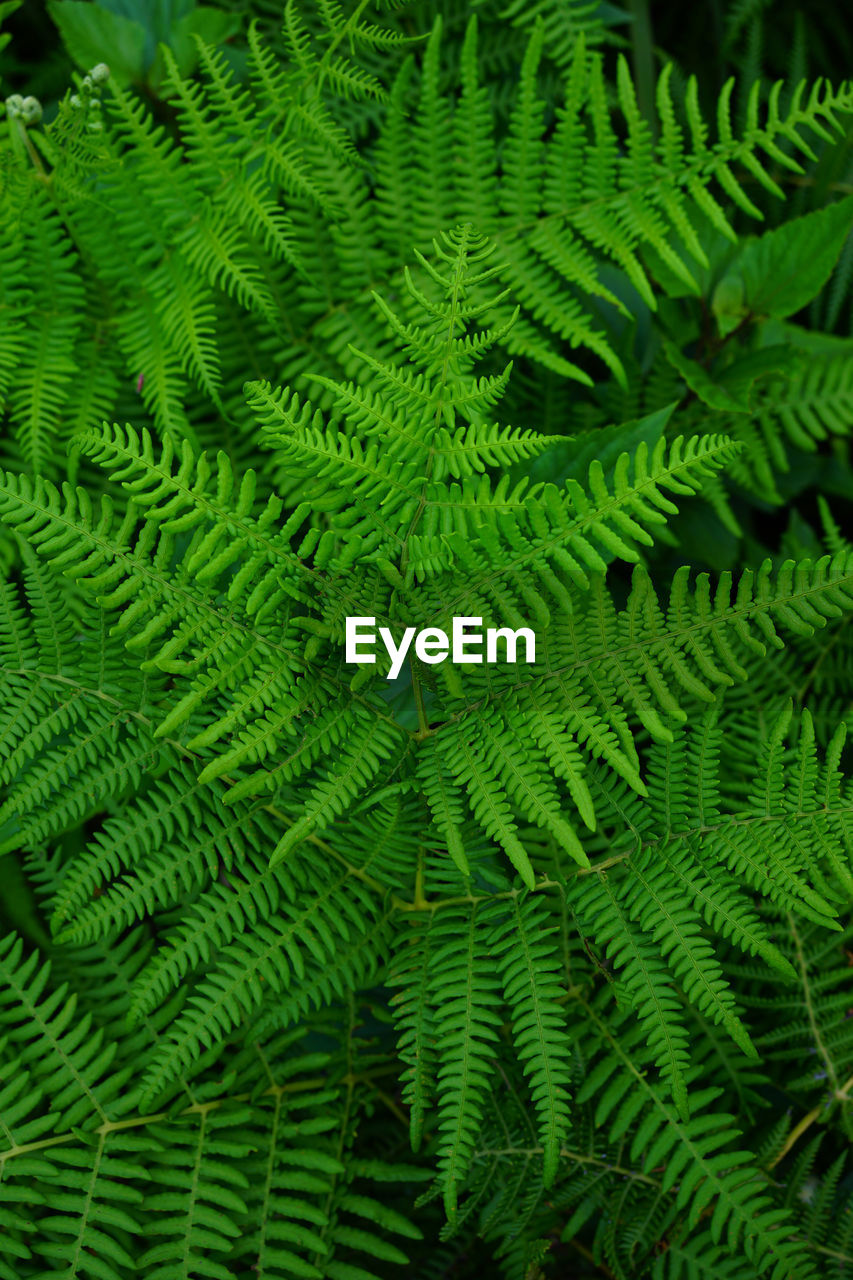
529, 971
465, 1041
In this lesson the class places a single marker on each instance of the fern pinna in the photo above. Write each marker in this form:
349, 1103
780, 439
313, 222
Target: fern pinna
320, 967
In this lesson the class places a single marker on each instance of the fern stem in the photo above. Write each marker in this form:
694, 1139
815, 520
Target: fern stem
795, 1134
643, 59
420, 901
157, 1117
392, 1106
566, 1153
349, 1080
830, 1253
802, 965
41, 172
424, 730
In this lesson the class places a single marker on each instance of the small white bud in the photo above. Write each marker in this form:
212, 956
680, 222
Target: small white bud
75, 101
100, 73
88, 83
95, 126
31, 110
14, 105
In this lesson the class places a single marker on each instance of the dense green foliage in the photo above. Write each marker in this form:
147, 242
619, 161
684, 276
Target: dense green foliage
319, 310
